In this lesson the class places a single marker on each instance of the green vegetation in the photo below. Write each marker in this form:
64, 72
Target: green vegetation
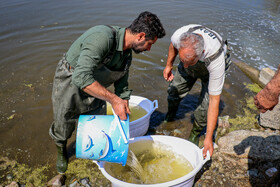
22, 173
247, 119
255, 88
77, 169
82, 168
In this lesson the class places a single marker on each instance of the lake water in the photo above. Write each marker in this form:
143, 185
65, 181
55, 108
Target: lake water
34, 35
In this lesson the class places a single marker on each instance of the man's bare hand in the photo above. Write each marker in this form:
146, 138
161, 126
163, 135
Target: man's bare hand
208, 146
121, 108
265, 100
167, 73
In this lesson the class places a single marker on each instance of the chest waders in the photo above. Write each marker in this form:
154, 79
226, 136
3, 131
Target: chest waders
182, 83
69, 101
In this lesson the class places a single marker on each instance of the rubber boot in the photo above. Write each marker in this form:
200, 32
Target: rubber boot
62, 159
196, 130
173, 106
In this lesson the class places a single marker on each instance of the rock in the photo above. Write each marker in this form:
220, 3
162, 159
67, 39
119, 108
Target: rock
253, 172
266, 75
271, 172
223, 122
9, 177
208, 177
178, 133
256, 145
57, 181
215, 145
239, 171
165, 132
243, 161
250, 71
271, 119
85, 182
74, 184
13, 184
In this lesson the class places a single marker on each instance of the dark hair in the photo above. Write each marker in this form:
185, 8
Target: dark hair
148, 23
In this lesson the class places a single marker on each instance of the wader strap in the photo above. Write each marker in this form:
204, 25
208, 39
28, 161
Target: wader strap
111, 53
215, 55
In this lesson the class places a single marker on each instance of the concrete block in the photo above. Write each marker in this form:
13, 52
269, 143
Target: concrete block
266, 75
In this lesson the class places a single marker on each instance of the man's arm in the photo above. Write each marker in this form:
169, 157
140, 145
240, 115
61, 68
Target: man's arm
268, 97
212, 117
172, 53
119, 105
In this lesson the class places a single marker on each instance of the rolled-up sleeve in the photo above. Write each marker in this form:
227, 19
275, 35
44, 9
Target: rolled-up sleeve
93, 50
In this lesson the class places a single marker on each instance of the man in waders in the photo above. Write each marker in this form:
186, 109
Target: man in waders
97, 59
203, 55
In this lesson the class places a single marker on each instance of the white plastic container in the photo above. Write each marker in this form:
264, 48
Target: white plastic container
140, 126
179, 146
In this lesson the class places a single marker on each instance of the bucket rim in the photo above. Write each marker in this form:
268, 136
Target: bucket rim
149, 113
180, 180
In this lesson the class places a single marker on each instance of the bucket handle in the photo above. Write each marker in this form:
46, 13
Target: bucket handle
98, 163
155, 105
207, 156
120, 127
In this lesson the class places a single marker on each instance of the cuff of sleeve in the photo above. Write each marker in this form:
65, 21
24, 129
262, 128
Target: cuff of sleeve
83, 84
215, 92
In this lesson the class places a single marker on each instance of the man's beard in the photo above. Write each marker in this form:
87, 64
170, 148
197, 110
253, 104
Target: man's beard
137, 48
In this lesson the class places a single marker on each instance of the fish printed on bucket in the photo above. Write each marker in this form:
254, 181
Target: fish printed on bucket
91, 118
89, 144
108, 147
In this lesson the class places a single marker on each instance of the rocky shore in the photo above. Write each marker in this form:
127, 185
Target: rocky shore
246, 154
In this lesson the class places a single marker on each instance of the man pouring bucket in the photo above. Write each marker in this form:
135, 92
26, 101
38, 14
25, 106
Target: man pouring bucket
97, 59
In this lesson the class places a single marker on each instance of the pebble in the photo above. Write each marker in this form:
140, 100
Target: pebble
216, 169
239, 171
208, 177
244, 161
13, 184
165, 132
10, 177
177, 132
74, 184
252, 172
223, 131
215, 145
271, 172
85, 182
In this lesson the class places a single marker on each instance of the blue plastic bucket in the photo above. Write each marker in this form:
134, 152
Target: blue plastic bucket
102, 138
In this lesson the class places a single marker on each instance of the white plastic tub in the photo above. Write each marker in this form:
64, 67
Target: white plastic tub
179, 146
140, 126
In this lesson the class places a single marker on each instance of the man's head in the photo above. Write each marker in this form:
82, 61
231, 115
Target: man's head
191, 48
148, 28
